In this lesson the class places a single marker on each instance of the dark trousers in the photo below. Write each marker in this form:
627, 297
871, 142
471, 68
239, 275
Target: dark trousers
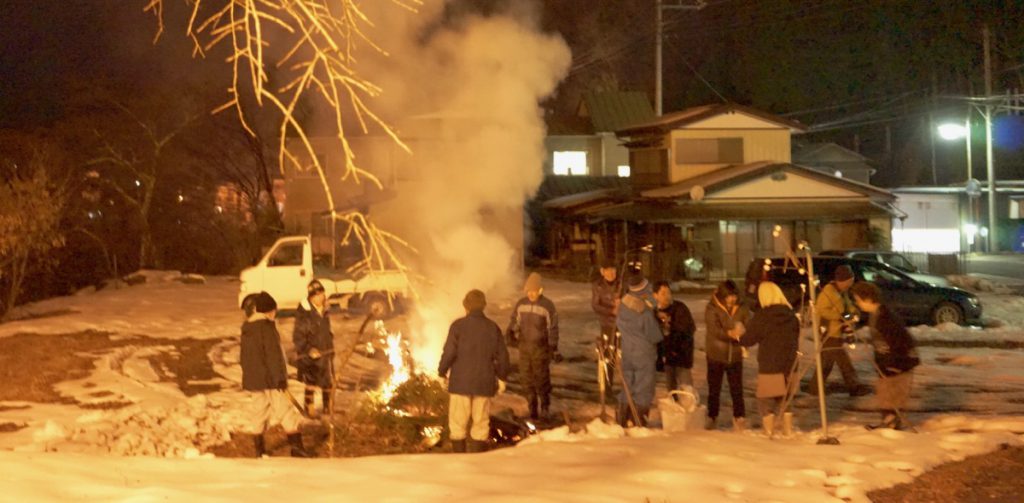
833, 352
677, 377
535, 374
734, 371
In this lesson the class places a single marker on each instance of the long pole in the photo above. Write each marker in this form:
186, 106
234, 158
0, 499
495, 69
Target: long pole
993, 243
967, 126
816, 330
657, 58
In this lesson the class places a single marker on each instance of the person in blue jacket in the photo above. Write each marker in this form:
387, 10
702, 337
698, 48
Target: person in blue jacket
640, 333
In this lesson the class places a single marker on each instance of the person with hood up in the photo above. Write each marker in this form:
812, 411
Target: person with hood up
724, 320
895, 354
837, 316
640, 333
534, 329
314, 346
265, 378
776, 331
475, 362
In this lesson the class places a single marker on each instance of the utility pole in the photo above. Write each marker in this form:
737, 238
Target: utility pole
659, 28
993, 243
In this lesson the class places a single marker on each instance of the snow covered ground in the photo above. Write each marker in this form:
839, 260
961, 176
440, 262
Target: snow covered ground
967, 400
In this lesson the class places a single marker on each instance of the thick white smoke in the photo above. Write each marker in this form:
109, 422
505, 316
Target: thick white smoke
466, 94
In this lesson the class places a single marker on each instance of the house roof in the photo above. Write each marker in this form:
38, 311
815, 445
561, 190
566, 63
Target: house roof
737, 174
826, 152
611, 111
662, 212
555, 186
682, 118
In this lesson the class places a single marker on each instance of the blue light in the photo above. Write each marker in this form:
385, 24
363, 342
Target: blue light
1008, 132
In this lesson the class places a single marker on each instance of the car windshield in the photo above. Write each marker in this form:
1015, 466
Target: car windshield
885, 277
899, 262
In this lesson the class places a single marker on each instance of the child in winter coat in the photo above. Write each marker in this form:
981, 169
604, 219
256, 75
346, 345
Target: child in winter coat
265, 378
641, 333
475, 362
534, 328
777, 331
314, 346
724, 319
895, 354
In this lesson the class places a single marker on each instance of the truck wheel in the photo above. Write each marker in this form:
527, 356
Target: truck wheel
947, 312
377, 306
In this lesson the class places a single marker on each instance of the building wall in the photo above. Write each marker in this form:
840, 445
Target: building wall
932, 224
604, 152
767, 144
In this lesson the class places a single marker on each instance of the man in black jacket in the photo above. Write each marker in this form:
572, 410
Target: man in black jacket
605, 292
675, 352
265, 378
475, 362
314, 346
534, 327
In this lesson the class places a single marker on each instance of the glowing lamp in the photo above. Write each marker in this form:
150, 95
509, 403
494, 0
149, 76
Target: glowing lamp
951, 131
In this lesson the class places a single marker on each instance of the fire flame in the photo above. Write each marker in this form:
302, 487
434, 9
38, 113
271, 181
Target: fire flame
396, 353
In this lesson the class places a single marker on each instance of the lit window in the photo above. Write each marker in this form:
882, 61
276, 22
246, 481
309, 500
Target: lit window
624, 171
570, 163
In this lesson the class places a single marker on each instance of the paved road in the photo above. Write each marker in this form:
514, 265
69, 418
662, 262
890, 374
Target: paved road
1008, 265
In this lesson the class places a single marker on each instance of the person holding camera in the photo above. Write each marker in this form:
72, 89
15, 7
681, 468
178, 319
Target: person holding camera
838, 317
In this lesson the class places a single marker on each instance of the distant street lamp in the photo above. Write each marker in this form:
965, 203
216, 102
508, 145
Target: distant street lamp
952, 131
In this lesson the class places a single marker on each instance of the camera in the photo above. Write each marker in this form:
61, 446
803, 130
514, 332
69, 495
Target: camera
849, 324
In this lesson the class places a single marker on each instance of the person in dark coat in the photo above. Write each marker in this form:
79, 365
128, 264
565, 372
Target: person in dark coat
724, 319
675, 351
895, 354
776, 331
640, 334
475, 362
604, 300
265, 378
314, 346
534, 329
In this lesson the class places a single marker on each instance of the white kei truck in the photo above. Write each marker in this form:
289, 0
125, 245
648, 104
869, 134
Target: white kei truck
290, 264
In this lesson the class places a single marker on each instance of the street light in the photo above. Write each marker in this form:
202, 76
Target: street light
952, 131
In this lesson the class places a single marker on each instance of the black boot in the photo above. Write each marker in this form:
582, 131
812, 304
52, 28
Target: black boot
889, 420
459, 445
533, 407
258, 445
476, 446
545, 406
298, 451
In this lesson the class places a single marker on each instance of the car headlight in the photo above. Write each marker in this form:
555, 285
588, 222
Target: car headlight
974, 301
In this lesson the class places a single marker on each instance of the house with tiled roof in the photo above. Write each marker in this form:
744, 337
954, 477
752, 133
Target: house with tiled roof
715, 185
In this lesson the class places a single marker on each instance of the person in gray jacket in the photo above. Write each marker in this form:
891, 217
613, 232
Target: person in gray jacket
640, 333
724, 320
475, 362
534, 329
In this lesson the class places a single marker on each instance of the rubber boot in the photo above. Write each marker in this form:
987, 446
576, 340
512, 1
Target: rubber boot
476, 446
787, 424
710, 423
259, 445
768, 424
739, 424
298, 451
459, 446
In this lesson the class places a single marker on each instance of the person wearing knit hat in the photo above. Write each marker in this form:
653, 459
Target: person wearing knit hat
604, 300
265, 379
640, 334
314, 347
475, 362
533, 327
837, 315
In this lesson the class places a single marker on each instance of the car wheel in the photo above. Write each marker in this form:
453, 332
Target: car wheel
377, 306
947, 312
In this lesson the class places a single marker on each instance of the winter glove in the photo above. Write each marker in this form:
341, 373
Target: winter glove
501, 386
314, 353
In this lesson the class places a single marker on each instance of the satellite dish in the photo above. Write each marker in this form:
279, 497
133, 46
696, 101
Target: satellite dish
697, 193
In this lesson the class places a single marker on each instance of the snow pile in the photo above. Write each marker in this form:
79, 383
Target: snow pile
185, 430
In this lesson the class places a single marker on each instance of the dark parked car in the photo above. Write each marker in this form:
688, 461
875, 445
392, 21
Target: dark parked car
892, 259
915, 301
